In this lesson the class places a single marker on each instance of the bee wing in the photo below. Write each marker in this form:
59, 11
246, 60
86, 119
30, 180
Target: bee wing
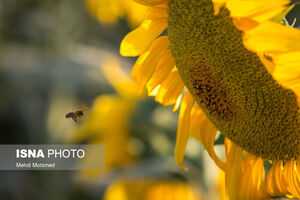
83, 107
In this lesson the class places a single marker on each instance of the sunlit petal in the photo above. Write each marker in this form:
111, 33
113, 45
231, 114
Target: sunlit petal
170, 89
164, 67
138, 41
146, 63
257, 10
183, 128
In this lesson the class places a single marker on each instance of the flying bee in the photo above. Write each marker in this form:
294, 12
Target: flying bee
75, 115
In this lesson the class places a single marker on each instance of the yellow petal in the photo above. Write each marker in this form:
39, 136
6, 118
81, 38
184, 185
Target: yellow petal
267, 61
221, 186
146, 63
281, 16
273, 38
157, 13
217, 5
209, 132
164, 67
183, 127
288, 60
205, 132
138, 41
276, 185
253, 185
244, 24
177, 104
292, 177
287, 70
197, 118
259, 11
151, 2
135, 13
245, 179
219, 1
170, 89
233, 171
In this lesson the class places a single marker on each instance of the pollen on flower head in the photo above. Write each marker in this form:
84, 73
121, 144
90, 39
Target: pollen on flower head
230, 83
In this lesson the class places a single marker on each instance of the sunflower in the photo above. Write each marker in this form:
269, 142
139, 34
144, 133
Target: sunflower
109, 11
230, 66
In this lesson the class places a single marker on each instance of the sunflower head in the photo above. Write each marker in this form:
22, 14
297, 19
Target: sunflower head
230, 83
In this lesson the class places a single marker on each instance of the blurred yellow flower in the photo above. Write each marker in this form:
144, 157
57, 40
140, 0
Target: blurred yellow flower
107, 121
151, 190
221, 186
237, 69
110, 11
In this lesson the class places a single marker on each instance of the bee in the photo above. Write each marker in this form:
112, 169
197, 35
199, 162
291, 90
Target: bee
75, 115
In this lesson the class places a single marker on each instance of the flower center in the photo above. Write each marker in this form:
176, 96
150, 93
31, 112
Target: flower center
230, 83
